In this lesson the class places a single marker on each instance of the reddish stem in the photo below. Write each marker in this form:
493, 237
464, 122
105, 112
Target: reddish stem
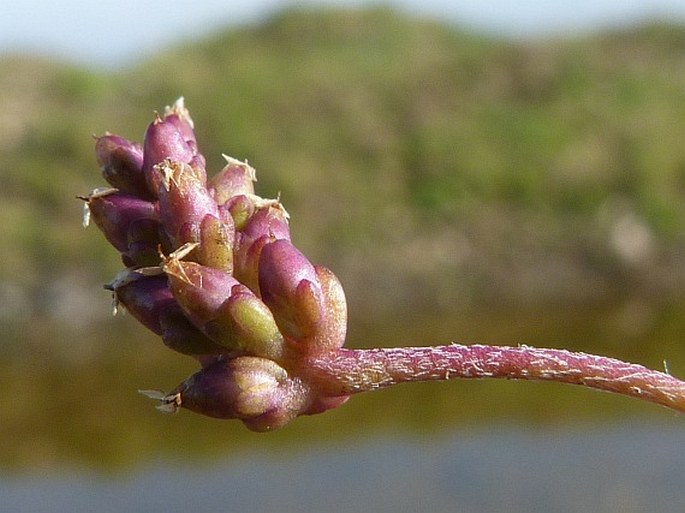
350, 371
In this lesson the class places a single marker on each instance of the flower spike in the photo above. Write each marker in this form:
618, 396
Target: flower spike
266, 325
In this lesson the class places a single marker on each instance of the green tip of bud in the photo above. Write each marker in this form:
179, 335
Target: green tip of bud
246, 324
334, 330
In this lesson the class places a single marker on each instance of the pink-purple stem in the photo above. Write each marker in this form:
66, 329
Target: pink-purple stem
359, 370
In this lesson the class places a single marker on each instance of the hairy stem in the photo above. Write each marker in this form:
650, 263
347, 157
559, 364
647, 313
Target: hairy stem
359, 370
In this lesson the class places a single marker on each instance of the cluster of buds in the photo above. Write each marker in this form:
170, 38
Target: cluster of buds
210, 268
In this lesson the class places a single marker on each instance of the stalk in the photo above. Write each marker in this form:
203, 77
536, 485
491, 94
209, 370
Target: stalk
350, 371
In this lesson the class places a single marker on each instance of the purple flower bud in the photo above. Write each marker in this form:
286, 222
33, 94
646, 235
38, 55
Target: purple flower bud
143, 243
163, 141
266, 225
200, 290
234, 179
253, 389
189, 214
183, 199
226, 311
121, 162
180, 335
144, 297
179, 116
270, 220
290, 287
129, 223
149, 300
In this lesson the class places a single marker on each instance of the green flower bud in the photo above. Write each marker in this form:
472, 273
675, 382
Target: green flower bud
334, 331
245, 324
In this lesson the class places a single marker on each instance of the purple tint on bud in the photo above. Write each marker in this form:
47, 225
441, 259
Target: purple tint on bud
179, 116
253, 389
129, 223
183, 202
322, 404
143, 244
121, 163
289, 285
223, 309
149, 300
199, 165
163, 141
266, 225
271, 221
246, 263
200, 290
144, 297
234, 179
180, 335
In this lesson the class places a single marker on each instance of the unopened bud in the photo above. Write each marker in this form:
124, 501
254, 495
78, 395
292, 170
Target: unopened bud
121, 163
245, 324
256, 390
266, 225
129, 223
334, 330
163, 140
188, 213
290, 287
234, 179
149, 300
226, 311
183, 194
200, 290
179, 116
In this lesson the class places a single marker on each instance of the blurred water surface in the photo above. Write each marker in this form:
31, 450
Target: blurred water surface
621, 468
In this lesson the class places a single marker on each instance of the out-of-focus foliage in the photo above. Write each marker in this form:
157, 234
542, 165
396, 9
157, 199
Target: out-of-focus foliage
437, 172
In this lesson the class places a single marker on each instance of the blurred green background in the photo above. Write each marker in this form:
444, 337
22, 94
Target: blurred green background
463, 188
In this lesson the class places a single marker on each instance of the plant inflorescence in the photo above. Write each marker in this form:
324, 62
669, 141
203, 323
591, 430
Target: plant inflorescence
211, 269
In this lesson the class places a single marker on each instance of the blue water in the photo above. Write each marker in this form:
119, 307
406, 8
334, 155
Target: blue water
626, 469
